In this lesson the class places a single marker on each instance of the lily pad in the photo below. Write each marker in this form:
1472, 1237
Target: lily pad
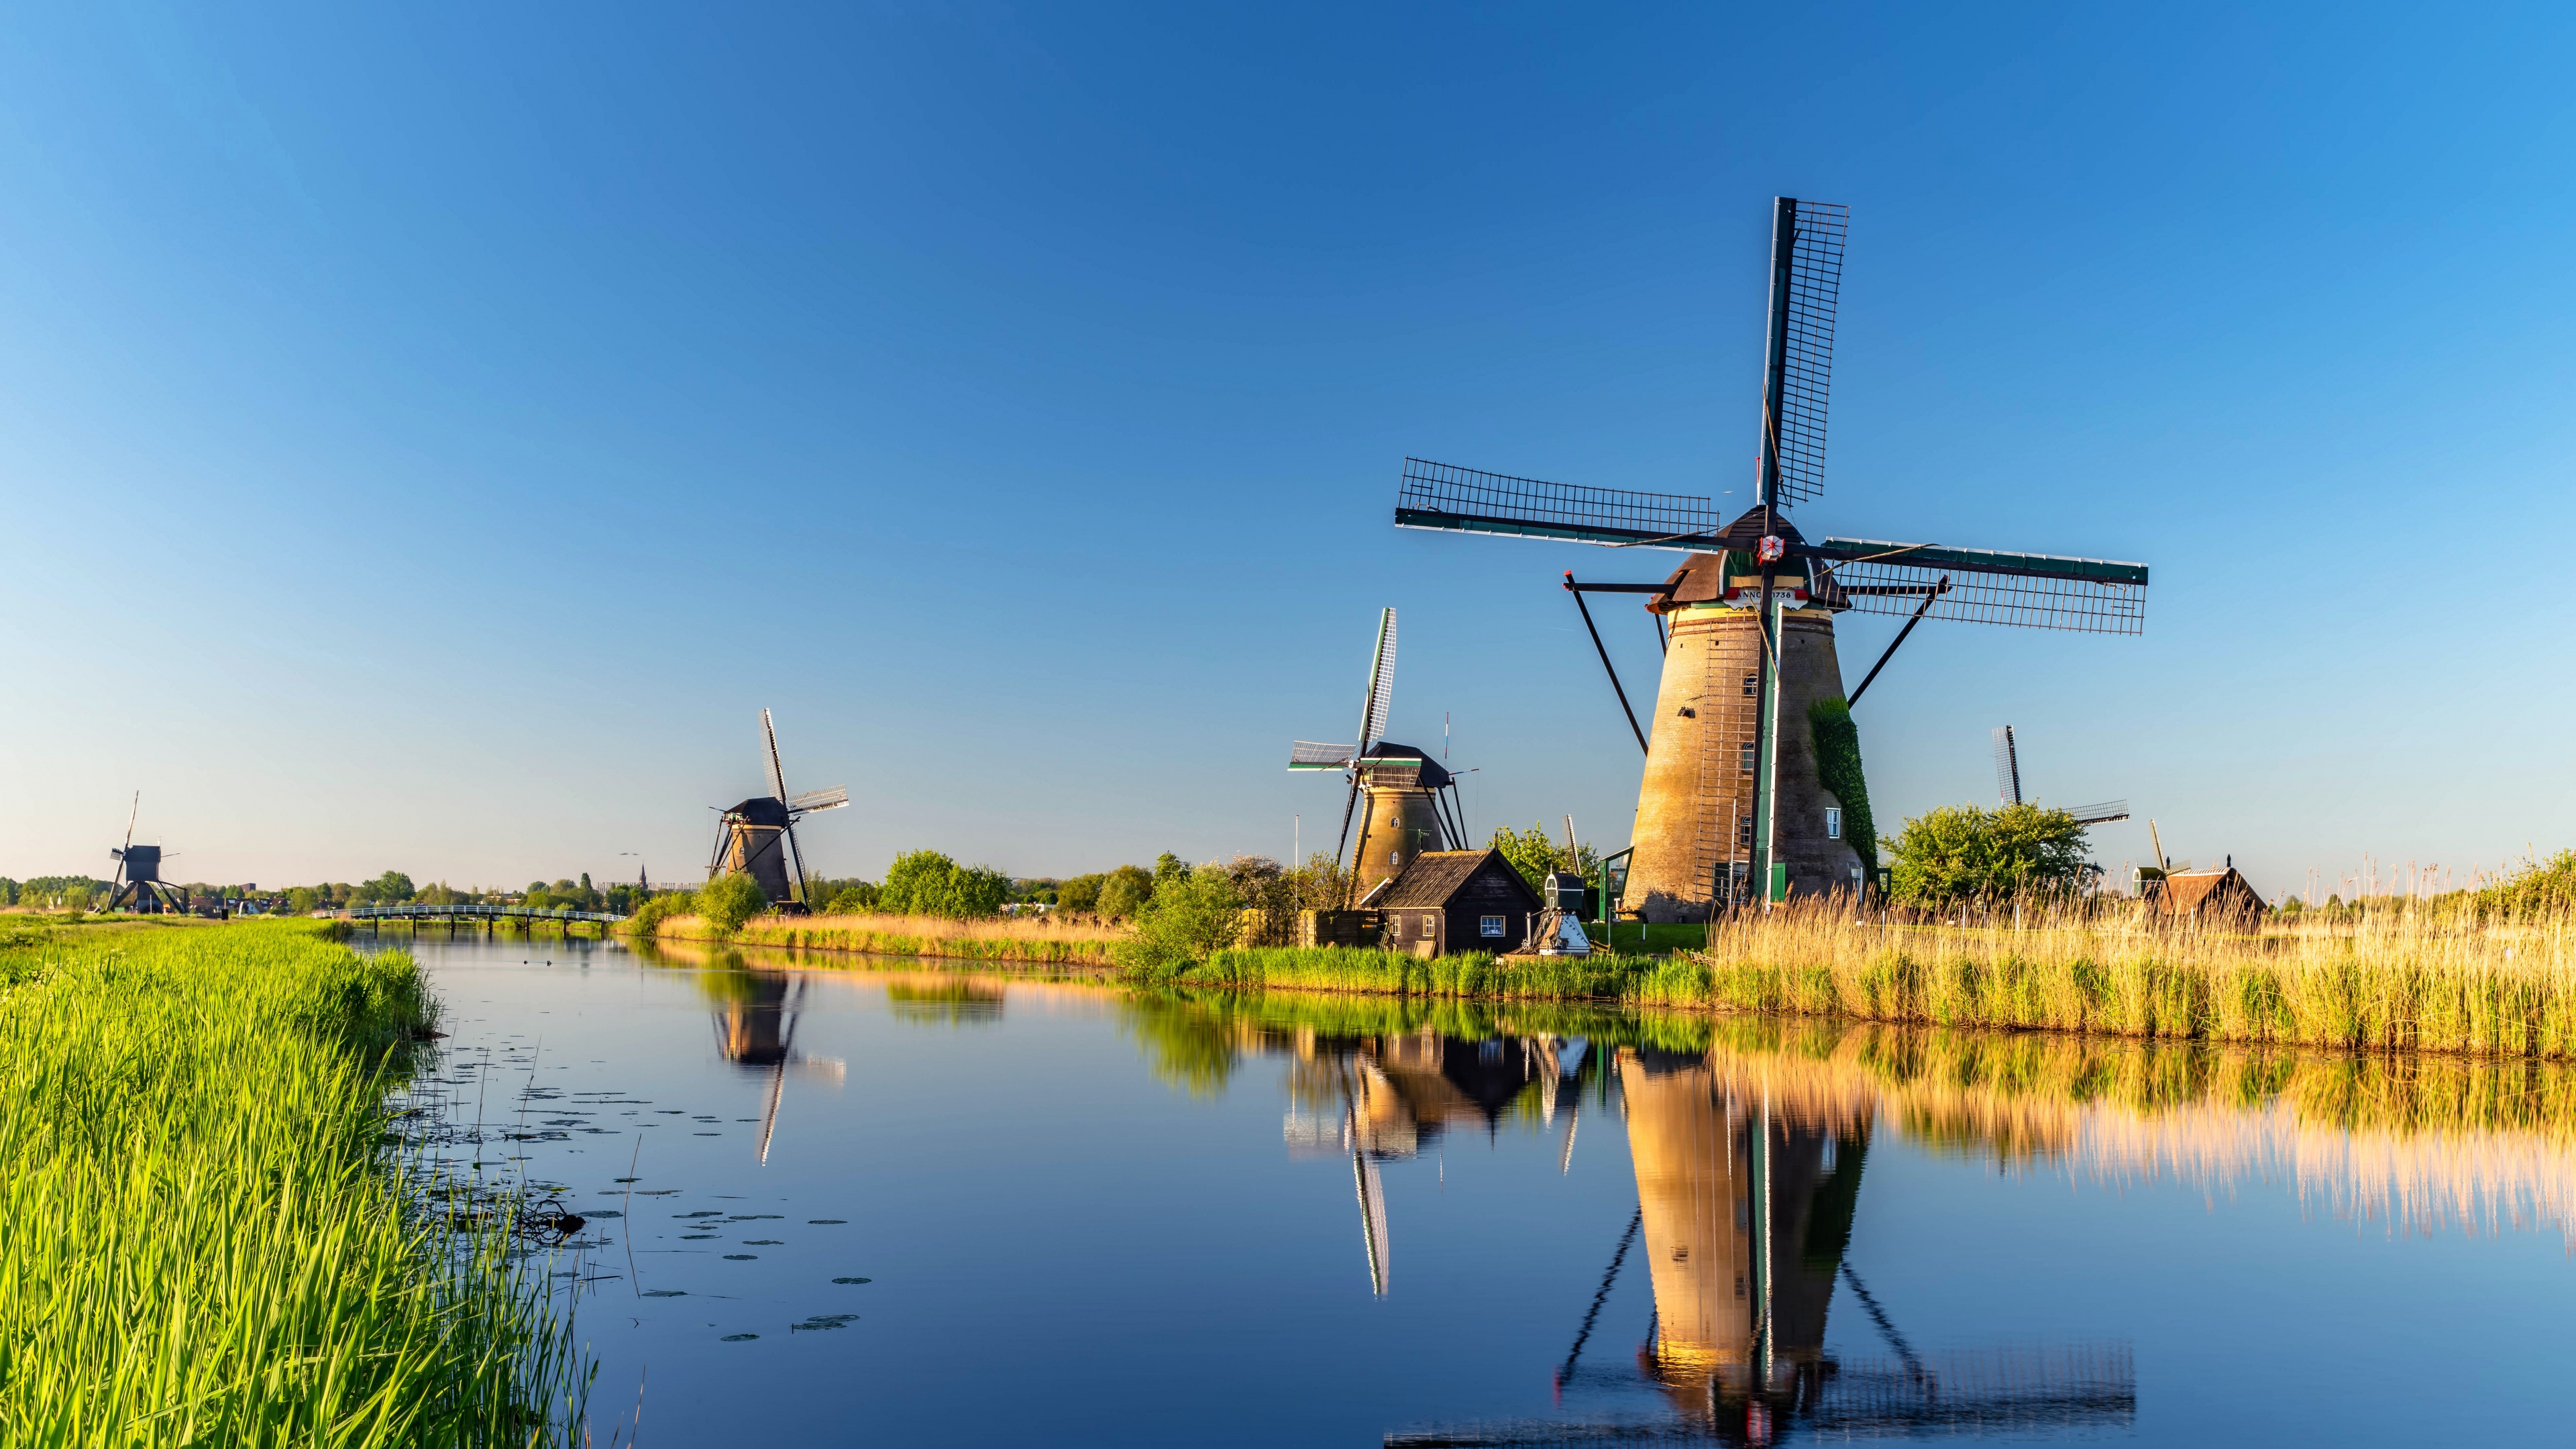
741, 1257
854, 1280
666, 1293
740, 1337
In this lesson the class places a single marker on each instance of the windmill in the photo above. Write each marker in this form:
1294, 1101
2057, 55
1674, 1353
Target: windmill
2008, 784
758, 836
1732, 790
1396, 790
138, 872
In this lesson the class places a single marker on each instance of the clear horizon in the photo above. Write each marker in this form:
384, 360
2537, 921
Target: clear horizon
433, 438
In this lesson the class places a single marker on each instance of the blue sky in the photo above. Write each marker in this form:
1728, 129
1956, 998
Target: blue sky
433, 434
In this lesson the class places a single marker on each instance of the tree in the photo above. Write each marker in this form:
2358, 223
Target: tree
1124, 892
927, 883
1081, 894
301, 900
729, 900
1169, 868
1534, 854
392, 888
1960, 852
1185, 921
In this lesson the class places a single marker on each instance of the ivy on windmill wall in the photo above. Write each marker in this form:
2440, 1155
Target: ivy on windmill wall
1837, 740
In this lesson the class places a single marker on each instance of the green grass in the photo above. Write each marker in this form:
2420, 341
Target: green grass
204, 1238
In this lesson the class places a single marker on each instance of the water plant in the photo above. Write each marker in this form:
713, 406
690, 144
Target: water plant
205, 1234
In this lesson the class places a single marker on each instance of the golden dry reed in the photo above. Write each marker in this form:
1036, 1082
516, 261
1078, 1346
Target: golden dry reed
2387, 979
1000, 938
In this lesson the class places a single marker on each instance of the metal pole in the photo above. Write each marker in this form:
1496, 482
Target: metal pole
1605, 661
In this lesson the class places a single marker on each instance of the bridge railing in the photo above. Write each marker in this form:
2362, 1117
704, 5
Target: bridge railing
477, 912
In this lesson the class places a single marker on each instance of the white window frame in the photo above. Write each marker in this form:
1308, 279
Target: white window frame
1833, 822
1492, 927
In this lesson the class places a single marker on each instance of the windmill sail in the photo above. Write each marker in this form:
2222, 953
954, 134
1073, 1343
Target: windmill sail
1308, 755
1449, 499
2007, 766
2033, 590
1806, 285
769, 744
1381, 687
813, 800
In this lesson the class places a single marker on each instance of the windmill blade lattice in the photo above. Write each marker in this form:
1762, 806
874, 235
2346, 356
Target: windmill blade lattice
2037, 591
813, 800
1381, 689
1803, 350
769, 743
1452, 499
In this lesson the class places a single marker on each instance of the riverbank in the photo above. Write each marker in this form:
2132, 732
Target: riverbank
204, 1237
2387, 981
1034, 940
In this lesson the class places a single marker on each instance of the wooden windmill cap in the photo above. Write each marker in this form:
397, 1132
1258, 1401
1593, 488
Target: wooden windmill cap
1702, 577
1398, 760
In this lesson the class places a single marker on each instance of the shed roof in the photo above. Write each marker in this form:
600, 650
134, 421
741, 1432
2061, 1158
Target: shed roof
1435, 877
2187, 892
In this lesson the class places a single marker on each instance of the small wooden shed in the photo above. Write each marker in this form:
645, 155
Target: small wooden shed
1457, 900
2207, 895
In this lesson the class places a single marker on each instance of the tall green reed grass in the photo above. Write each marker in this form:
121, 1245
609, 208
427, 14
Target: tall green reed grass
204, 1236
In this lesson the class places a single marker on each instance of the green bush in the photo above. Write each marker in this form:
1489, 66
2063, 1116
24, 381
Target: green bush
852, 901
648, 917
1188, 919
731, 899
1960, 852
927, 883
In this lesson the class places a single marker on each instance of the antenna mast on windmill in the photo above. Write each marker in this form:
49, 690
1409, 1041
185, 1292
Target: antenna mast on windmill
1732, 785
138, 872
758, 836
1404, 799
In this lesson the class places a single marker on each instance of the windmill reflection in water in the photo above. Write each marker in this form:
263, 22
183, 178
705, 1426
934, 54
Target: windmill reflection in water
1747, 1180
755, 1027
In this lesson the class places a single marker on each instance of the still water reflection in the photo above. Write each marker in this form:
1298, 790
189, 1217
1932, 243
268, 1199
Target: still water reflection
935, 1208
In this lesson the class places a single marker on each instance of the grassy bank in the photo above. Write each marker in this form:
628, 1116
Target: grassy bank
1000, 939
2387, 981
203, 1239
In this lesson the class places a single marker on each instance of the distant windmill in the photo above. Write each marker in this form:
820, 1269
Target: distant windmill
138, 872
1396, 790
2008, 783
758, 836
1732, 789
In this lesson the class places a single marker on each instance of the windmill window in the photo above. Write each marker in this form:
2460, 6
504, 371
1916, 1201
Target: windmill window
1833, 823
1489, 926
1749, 688
1744, 833
1747, 760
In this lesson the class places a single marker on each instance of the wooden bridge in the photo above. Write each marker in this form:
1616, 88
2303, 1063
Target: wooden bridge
489, 917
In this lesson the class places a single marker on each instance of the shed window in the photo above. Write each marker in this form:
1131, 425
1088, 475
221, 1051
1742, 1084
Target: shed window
1489, 926
1833, 823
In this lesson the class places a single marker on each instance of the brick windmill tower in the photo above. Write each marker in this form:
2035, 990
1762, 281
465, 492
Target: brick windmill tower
1752, 787
1405, 800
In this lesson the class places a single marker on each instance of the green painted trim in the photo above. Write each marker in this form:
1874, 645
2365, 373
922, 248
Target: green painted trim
2034, 565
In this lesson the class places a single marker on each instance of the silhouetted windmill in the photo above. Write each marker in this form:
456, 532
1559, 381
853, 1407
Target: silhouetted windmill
138, 872
2008, 784
1752, 639
1396, 790
758, 836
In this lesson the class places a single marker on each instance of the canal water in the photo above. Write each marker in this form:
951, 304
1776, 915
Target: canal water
934, 1208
